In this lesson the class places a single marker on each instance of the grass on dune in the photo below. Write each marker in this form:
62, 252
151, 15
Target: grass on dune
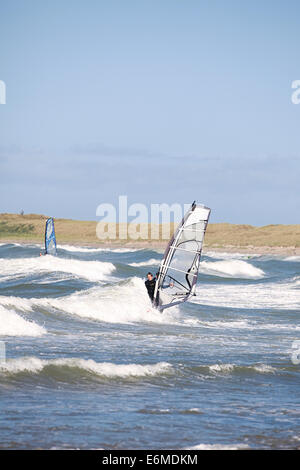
31, 227
245, 235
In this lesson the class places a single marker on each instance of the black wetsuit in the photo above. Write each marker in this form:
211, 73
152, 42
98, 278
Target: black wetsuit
150, 285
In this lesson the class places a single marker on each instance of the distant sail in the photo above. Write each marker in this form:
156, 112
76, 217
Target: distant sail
178, 272
50, 240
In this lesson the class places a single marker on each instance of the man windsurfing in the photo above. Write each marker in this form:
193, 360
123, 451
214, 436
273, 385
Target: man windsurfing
150, 285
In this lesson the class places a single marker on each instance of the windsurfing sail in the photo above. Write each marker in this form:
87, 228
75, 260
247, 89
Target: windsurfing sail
178, 272
50, 240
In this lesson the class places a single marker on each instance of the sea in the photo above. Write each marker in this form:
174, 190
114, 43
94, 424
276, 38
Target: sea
87, 363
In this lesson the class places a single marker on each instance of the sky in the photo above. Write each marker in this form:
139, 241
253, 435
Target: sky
165, 101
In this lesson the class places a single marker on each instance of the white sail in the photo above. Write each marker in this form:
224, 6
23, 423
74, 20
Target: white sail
178, 272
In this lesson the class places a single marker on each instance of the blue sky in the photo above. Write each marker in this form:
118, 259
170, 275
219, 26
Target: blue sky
161, 100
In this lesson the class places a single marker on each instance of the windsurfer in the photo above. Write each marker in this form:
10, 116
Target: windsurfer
150, 285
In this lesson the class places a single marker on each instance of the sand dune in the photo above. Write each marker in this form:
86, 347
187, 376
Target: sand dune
231, 237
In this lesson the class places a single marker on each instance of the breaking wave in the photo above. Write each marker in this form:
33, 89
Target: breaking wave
250, 296
126, 302
36, 365
91, 270
233, 269
294, 258
14, 325
150, 262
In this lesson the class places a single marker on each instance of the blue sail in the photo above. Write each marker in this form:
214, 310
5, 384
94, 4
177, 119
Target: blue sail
50, 240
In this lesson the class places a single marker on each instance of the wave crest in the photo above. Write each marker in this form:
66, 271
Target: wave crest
234, 268
91, 270
14, 325
34, 365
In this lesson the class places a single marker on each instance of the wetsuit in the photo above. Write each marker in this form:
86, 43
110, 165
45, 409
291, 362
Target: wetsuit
150, 285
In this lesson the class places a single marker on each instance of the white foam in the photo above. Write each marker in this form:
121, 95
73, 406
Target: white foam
296, 281
106, 369
24, 245
232, 269
18, 303
295, 259
221, 367
249, 296
126, 302
91, 270
225, 324
12, 324
85, 249
14, 244
150, 262
218, 447
195, 410
246, 325
231, 256
264, 369
227, 368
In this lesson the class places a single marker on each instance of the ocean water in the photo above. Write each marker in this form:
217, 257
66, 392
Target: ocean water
90, 365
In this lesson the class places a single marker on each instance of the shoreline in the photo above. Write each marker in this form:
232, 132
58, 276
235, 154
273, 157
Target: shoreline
161, 245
